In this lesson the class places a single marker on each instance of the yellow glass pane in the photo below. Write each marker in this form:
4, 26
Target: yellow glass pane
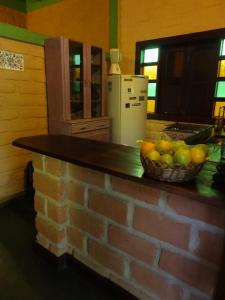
218, 104
151, 72
221, 68
151, 106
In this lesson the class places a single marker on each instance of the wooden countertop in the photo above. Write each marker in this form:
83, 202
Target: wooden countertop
122, 161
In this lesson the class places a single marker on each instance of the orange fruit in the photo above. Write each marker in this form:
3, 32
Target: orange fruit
204, 147
164, 146
166, 159
153, 155
146, 147
182, 156
198, 155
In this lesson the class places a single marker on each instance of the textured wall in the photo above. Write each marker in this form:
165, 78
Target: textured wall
154, 244
85, 21
145, 20
22, 113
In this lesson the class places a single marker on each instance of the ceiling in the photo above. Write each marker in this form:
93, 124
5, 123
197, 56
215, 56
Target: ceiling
27, 5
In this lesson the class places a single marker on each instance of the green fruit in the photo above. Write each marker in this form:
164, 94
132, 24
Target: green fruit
182, 157
179, 144
166, 159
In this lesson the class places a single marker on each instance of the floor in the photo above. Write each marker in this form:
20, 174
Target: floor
24, 275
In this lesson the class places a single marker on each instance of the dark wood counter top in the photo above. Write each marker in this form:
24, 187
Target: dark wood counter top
122, 161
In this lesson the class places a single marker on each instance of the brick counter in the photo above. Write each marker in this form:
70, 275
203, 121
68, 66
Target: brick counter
154, 239
153, 243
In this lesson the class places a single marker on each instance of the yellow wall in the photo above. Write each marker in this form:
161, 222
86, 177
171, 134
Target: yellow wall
22, 113
80, 20
144, 20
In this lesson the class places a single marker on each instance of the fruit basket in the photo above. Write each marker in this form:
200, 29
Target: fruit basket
172, 161
176, 173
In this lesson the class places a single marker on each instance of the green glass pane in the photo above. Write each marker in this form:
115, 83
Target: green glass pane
151, 72
151, 89
222, 47
142, 56
76, 59
76, 86
220, 89
221, 68
151, 55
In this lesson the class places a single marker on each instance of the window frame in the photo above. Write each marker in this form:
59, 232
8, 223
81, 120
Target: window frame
192, 38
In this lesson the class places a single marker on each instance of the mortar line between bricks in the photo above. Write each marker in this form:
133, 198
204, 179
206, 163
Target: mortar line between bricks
109, 273
50, 175
181, 218
152, 268
171, 278
158, 243
52, 222
172, 215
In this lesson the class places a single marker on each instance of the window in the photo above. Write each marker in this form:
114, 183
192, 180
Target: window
186, 75
149, 68
219, 96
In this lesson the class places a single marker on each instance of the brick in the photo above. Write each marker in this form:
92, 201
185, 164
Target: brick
59, 214
87, 175
75, 192
161, 227
55, 167
210, 247
52, 188
52, 233
37, 161
190, 271
39, 204
43, 241
155, 283
197, 210
86, 222
75, 238
106, 257
132, 245
108, 206
57, 251
135, 190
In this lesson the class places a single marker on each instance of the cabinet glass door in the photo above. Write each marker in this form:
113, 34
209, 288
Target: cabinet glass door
96, 82
76, 80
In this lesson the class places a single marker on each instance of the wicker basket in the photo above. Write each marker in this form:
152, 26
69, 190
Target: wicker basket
175, 174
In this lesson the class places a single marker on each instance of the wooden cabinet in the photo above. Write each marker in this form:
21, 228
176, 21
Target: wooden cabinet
76, 89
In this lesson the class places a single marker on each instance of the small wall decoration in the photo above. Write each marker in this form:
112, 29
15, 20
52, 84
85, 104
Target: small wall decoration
11, 61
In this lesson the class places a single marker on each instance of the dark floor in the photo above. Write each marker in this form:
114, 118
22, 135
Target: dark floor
24, 275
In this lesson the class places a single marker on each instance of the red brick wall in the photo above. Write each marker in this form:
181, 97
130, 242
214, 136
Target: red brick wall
154, 244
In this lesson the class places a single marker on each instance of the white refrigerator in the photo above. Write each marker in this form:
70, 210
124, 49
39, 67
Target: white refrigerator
127, 106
